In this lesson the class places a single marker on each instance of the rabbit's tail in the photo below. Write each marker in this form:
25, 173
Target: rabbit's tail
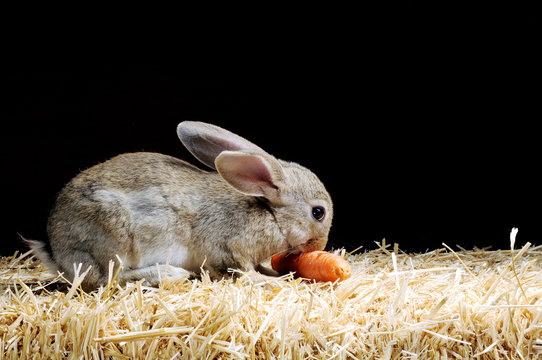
40, 249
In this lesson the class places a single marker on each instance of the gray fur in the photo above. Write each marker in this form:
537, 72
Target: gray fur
150, 209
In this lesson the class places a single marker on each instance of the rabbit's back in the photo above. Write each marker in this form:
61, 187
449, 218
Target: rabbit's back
135, 171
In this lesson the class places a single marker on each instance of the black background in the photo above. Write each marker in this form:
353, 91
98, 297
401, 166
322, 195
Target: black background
424, 125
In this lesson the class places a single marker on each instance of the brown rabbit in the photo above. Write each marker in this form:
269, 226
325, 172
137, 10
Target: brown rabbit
161, 216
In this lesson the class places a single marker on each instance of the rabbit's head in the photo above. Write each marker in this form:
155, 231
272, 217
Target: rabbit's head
294, 195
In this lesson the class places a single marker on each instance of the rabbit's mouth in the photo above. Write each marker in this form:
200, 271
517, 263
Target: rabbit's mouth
312, 244
296, 249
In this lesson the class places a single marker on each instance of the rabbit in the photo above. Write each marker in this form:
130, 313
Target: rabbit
157, 216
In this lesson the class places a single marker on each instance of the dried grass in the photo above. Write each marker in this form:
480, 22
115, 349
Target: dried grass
441, 304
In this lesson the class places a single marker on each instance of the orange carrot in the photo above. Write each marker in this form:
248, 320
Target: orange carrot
315, 265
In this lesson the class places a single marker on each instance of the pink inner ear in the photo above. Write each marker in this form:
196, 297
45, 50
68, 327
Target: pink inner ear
255, 170
251, 174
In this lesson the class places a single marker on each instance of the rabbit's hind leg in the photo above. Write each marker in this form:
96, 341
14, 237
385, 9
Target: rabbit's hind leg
154, 274
77, 263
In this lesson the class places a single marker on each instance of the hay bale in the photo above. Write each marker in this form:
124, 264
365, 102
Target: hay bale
441, 304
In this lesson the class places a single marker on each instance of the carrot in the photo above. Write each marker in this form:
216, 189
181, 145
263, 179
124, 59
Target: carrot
315, 265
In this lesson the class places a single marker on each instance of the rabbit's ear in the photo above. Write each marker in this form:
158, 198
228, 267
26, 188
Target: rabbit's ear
206, 141
256, 174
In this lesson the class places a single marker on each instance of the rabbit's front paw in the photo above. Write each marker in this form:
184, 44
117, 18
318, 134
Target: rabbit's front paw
173, 272
258, 279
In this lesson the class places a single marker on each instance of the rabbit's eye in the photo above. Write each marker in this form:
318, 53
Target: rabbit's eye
318, 213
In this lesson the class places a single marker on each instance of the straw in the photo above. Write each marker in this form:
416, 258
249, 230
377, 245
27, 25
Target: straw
440, 304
